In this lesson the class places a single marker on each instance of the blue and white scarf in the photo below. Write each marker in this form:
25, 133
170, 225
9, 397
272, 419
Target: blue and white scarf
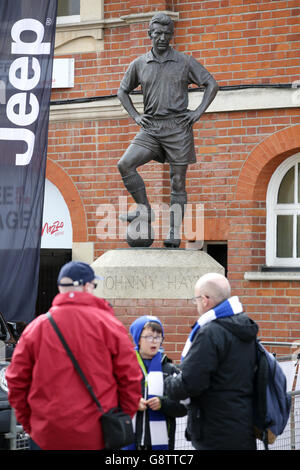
154, 386
229, 307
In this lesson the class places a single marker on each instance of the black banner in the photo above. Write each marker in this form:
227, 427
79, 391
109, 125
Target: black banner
27, 35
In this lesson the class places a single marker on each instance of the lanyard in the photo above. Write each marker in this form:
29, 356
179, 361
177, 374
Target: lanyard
142, 366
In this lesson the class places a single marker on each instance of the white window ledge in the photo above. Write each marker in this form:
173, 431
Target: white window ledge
225, 101
140, 17
272, 276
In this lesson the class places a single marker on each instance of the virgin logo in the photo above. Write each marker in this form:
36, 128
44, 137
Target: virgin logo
52, 229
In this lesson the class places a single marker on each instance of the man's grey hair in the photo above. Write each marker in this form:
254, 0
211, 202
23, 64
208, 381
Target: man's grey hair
163, 19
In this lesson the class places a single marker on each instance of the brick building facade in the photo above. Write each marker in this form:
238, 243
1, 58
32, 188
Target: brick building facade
247, 145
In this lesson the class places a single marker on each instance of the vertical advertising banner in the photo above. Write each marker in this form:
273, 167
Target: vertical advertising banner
27, 35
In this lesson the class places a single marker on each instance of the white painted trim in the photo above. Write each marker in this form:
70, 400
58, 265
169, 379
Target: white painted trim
141, 17
273, 209
250, 99
68, 21
65, 20
225, 101
272, 276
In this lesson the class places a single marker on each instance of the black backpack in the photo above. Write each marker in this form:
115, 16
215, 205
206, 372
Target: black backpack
272, 403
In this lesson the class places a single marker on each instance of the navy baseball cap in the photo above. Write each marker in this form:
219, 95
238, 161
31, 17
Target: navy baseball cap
79, 272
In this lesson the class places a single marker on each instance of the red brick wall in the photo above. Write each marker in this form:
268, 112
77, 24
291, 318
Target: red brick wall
88, 151
239, 42
242, 41
177, 317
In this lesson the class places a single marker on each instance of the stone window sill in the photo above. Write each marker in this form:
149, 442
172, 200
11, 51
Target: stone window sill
276, 275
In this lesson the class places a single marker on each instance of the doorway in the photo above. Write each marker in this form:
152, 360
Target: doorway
218, 251
51, 260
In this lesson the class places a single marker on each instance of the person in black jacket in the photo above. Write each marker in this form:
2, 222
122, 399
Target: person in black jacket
155, 421
217, 371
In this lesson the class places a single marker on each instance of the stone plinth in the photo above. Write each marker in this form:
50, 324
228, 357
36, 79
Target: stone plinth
151, 273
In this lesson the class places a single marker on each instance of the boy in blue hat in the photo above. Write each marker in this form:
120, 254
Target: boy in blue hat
154, 421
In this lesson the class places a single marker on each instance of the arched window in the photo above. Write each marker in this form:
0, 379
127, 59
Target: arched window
283, 215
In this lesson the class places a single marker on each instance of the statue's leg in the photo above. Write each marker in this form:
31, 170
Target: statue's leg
178, 202
134, 157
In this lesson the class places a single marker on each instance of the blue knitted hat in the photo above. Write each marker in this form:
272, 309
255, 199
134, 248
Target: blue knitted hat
138, 325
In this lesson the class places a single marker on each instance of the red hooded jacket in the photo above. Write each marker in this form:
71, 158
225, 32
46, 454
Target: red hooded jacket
49, 398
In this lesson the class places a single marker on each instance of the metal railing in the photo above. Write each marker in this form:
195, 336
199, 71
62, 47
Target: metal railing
288, 440
18, 439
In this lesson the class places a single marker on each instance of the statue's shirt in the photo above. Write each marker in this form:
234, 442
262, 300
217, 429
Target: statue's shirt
164, 81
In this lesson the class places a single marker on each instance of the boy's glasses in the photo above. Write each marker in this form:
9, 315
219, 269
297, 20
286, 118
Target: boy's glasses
156, 339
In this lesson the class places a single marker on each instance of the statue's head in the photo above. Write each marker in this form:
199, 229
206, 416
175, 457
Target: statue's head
162, 19
161, 30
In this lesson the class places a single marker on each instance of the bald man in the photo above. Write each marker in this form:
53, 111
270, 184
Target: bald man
217, 370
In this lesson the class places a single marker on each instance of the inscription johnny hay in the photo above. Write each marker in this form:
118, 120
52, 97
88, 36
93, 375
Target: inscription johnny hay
147, 282
122, 283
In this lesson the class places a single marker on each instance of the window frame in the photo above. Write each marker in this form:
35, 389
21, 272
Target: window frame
65, 20
273, 209
72, 31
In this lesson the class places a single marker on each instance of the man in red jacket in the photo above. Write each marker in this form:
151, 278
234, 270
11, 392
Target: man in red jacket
49, 398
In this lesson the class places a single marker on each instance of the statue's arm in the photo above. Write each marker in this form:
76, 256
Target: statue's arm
210, 91
124, 97
128, 105
200, 76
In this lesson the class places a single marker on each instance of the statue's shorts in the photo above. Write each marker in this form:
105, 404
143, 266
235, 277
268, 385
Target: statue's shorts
168, 140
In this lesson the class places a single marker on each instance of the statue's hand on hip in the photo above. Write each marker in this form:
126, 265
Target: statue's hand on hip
189, 118
143, 120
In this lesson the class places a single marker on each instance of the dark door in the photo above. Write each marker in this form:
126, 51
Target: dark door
50, 263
